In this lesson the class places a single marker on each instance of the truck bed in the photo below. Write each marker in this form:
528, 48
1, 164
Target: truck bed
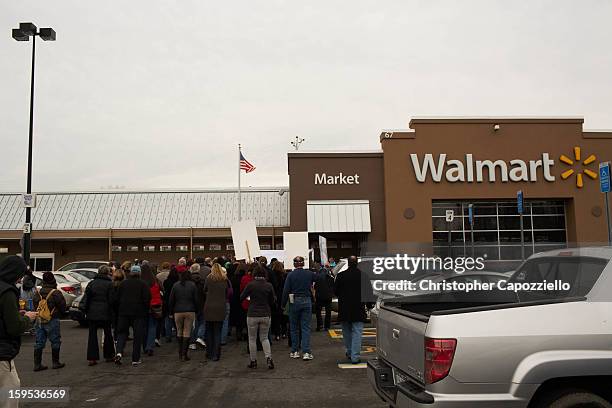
423, 306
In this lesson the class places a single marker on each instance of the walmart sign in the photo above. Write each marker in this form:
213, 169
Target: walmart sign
469, 170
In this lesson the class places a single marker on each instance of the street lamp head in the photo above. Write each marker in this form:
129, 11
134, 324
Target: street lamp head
47, 34
19, 35
28, 28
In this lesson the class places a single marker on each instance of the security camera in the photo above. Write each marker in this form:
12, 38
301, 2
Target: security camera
496, 127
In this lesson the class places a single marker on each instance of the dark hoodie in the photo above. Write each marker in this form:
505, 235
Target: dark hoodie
12, 324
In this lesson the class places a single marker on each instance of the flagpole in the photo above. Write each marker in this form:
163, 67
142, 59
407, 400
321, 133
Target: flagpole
239, 193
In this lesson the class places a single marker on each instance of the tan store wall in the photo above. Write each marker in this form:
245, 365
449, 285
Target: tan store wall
515, 139
369, 167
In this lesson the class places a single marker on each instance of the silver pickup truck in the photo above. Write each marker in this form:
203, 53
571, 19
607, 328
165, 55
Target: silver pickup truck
548, 346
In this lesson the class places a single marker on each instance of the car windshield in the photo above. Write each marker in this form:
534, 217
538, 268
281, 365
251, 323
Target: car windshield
579, 272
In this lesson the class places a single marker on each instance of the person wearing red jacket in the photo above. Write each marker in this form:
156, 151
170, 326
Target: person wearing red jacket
155, 308
246, 279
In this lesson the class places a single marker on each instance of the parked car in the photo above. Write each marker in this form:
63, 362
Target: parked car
544, 348
82, 264
70, 289
72, 276
76, 313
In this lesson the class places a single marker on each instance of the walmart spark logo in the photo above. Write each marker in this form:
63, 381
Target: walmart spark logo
568, 173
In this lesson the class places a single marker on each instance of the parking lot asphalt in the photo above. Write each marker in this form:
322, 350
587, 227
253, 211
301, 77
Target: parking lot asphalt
163, 381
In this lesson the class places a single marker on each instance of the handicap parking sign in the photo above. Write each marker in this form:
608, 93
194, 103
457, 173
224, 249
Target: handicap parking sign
604, 177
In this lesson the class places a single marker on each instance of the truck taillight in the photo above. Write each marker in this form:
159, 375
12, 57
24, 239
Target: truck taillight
439, 355
68, 289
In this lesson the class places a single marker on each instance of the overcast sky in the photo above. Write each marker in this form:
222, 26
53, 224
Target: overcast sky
157, 94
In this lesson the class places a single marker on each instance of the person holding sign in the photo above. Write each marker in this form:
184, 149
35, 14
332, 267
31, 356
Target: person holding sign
298, 292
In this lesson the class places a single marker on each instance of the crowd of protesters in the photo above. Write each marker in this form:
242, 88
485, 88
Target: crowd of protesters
197, 303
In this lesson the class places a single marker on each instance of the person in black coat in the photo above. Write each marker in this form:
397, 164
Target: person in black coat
169, 282
98, 311
324, 291
351, 309
133, 299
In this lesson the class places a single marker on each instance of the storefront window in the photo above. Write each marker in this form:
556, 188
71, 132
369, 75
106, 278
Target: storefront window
497, 228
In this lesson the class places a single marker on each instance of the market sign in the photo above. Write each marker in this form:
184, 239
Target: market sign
336, 179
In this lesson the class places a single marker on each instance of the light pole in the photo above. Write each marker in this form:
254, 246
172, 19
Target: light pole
297, 142
23, 33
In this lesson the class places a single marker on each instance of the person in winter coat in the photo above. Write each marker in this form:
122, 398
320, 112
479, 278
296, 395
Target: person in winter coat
351, 310
198, 332
28, 289
172, 278
98, 301
162, 272
154, 314
182, 306
216, 288
297, 292
12, 325
133, 299
324, 291
117, 277
261, 302
51, 329
237, 314
279, 320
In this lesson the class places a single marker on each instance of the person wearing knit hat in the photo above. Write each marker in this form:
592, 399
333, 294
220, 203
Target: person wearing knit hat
49, 278
135, 269
49, 330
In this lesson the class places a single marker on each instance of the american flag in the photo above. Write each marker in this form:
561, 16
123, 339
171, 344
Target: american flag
245, 165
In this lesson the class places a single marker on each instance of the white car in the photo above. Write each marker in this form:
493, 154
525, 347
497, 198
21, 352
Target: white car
82, 265
73, 276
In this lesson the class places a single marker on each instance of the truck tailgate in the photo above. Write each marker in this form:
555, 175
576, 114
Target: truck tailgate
401, 341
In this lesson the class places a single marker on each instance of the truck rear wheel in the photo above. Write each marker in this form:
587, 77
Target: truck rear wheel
572, 398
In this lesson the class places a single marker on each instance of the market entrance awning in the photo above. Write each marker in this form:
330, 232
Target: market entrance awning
338, 216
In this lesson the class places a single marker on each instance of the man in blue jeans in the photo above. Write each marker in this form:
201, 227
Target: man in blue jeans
351, 309
298, 292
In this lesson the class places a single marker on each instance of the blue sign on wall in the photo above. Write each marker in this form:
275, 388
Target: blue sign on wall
604, 177
519, 201
471, 214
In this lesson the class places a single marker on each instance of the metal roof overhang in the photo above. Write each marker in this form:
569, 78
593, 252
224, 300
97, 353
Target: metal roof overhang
338, 216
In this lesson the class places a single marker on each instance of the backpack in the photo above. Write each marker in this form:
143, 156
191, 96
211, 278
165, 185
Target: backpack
44, 314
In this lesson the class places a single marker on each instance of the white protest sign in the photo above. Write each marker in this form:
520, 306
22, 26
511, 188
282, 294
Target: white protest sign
323, 249
296, 244
279, 254
244, 237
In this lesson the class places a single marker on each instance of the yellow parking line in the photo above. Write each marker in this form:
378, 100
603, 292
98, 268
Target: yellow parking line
337, 333
349, 366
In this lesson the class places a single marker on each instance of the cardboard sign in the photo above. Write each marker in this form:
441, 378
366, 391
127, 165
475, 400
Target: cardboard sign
246, 243
323, 249
296, 244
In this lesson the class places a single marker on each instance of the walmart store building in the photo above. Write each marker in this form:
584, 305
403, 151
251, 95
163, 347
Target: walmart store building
398, 194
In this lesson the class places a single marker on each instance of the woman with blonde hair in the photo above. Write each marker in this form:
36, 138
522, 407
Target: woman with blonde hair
217, 289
